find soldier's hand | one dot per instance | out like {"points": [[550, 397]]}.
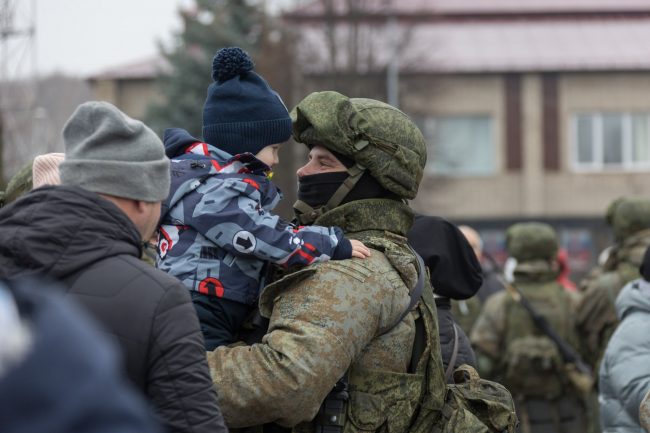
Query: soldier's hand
{"points": [[359, 250]]}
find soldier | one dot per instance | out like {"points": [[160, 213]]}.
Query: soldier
{"points": [[511, 347], [596, 318], [349, 318], [43, 170], [19, 184]]}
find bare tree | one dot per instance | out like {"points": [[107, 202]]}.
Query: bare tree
{"points": [[36, 129], [348, 46]]}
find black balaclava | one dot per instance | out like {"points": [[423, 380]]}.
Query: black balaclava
{"points": [[316, 189], [455, 271]]}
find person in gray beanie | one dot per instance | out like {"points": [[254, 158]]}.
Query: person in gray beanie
{"points": [[108, 152], [87, 234]]}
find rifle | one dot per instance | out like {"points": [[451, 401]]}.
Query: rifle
{"points": [[578, 370]]}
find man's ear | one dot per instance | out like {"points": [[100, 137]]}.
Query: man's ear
{"points": [[140, 206]]}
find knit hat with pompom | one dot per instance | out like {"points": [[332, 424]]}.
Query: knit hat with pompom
{"points": [[241, 112]]}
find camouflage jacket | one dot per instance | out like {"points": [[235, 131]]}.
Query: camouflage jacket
{"points": [[502, 319], [596, 315], [329, 318], [217, 231], [519, 355]]}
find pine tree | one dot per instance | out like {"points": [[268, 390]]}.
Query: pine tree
{"points": [[209, 26]]}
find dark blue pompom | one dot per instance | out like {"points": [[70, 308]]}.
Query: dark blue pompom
{"points": [[230, 62]]}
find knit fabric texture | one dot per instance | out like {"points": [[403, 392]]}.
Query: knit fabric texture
{"points": [[241, 112], [45, 169], [108, 152]]}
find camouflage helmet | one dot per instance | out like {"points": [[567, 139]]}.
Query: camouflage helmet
{"points": [[20, 184], [631, 215], [531, 241], [377, 136], [611, 209]]}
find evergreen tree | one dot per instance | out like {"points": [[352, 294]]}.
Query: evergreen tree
{"points": [[208, 26]]}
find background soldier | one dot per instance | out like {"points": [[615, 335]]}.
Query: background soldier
{"points": [[596, 318], [511, 348]]}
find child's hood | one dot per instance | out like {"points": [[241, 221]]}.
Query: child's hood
{"points": [[176, 141]]}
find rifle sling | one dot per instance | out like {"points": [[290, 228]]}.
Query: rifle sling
{"points": [[543, 325]]}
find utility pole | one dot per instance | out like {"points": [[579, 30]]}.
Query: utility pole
{"points": [[17, 62], [392, 68]]}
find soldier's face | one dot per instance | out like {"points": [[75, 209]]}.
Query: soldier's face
{"points": [[320, 161]]}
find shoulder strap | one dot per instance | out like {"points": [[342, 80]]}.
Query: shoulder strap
{"points": [[416, 294], [454, 355]]}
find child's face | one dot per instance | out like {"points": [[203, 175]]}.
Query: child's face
{"points": [[269, 155]]}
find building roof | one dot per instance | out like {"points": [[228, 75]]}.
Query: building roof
{"points": [[141, 69], [532, 46], [540, 6], [475, 7], [476, 36], [479, 36]]}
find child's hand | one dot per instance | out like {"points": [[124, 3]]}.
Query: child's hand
{"points": [[359, 249]]}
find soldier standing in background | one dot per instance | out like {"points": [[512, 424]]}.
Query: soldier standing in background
{"points": [[512, 349], [596, 316]]}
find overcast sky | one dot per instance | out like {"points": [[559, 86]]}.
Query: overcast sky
{"points": [[82, 37]]}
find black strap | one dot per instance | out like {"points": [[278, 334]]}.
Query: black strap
{"points": [[454, 355], [417, 290]]}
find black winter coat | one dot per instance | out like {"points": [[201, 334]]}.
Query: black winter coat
{"points": [[67, 389], [455, 273], [92, 247], [448, 343]]}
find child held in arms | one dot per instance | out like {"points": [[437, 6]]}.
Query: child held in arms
{"points": [[217, 232]]}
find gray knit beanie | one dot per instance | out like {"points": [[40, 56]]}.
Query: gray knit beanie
{"points": [[108, 152]]}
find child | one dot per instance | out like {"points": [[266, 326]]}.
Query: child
{"points": [[217, 233]]}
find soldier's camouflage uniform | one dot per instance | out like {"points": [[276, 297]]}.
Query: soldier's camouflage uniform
{"points": [[19, 184], [596, 316], [336, 317], [545, 400]]}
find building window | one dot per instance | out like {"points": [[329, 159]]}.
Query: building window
{"points": [[459, 145], [611, 141]]}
